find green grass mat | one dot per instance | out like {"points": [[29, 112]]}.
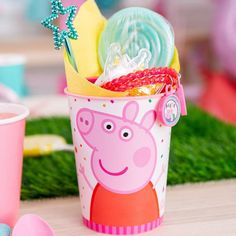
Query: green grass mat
{"points": [[202, 149]]}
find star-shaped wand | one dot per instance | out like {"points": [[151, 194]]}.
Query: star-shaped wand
{"points": [[62, 37]]}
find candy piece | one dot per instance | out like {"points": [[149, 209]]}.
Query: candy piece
{"points": [[136, 28], [5, 230], [118, 64], [147, 90], [146, 77], [89, 24]]}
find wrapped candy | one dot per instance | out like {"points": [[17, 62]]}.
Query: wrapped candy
{"points": [[146, 82], [146, 90]]}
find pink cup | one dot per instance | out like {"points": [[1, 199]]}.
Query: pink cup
{"points": [[11, 157], [122, 152]]}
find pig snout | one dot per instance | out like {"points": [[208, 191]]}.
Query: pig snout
{"points": [[85, 121]]}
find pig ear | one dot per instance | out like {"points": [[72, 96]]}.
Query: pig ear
{"points": [[149, 119], [130, 111]]}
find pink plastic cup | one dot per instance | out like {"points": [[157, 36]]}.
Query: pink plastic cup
{"points": [[122, 151], [12, 131]]}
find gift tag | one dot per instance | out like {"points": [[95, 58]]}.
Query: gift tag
{"points": [[181, 96], [169, 109]]}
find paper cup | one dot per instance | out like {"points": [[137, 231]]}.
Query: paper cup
{"points": [[11, 156], [122, 154], [12, 71]]}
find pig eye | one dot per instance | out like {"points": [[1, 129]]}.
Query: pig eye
{"points": [[108, 126], [126, 134]]}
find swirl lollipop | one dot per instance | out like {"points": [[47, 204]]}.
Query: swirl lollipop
{"points": [[136, 28]]}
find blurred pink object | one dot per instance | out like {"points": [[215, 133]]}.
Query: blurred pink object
{"points": [[161, 7], [219, 96], [61, 85], [12, 131], [6, 94], [67, 3], [224, 34], [32, 225]]}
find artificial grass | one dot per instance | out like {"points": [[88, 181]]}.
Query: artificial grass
{"points": [[202, 149]]}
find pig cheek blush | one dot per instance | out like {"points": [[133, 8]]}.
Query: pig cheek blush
{"points": [[142, 157]]}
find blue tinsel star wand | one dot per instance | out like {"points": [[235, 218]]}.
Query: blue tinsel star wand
{"points": [[62, 37]]}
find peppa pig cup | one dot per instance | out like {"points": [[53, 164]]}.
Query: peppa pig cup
{"points": [[12, 129], [122, 153]]}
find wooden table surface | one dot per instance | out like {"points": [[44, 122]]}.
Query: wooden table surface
{"points": [[201, 209]]}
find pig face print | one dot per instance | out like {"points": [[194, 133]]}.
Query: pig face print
{"points": [[124, 151]]}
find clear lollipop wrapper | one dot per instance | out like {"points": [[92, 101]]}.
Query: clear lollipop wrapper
{"points": [[137, 28], [118, 64]]}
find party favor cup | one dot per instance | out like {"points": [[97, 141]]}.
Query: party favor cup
{"points": [[122, 153], [12, 72], [12, 131]]}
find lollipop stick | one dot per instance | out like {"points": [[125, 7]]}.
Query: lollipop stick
{"points": [[70, 54]]}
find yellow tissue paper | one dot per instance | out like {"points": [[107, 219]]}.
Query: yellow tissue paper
{"points": [[89, 23], [81, 86], [175, 61]]}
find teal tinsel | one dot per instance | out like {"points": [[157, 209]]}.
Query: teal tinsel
{"points": [[58, 9]]}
